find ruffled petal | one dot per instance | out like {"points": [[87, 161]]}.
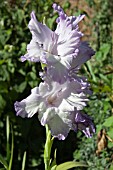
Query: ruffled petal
{"points": [[34, 52], [29, 106], [74, 101], [45, 37], [85, 124], [58, 128], [58, 72], [68, 39], [85, 53], [67, 31], [39, 31]]}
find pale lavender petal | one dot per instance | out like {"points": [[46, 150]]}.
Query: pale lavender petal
{"points": [[77, 101], [34, 52], [76, 20], [67, 30], [28, 107], [58, 128], [39, 31], [68, 39], [57, 8], [58, 72], [85, 53]]}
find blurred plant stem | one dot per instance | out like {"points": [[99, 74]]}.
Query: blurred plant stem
{"points": [[112, 57], [24, 161], [9, 150]]}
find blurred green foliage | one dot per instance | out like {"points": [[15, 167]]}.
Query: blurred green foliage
{"points": [[17, 79], [100, 71]]}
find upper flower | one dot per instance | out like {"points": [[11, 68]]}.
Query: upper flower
{"points": [[58, 49]]}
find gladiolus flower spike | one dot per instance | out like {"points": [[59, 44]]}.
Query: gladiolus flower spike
{"points": [[60, 98]]}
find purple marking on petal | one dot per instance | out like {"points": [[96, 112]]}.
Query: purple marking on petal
{"points": [[23, 58], [19, 108], [61, 137], [33, 15], [85, 124], [57, 8]]}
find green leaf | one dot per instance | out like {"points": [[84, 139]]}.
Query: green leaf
{"points": [[110, 132], [111, 167], [91, 71], [12, 148], [105, 49], [2, 62], [20, 88], [108, 122], [2, 103], [70, 164], [98, 56], [24, 160], [53, 164], [3, 87], [104, 78], [20, 15], [3, 162], [54, 167]]}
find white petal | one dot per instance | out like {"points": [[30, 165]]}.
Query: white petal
{"points": [[77, 100], [84, 54], [41, 33], [58, 128], [34, 52], [29, 106]]}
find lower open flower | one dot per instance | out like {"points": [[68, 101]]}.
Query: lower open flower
{"points": [[58, 105]]}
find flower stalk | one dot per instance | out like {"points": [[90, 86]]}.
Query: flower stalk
{"points": [[47, 148]]}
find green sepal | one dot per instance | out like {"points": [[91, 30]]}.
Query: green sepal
{"points": [[53, 164], [43, 65]]}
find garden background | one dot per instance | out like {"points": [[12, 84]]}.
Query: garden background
{"points": [[22, 140]]}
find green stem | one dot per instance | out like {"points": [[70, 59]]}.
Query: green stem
{"points": [[12, 148], [47, 149]]}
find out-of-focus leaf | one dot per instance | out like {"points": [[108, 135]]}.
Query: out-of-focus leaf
{"points": [[105, 49], [2, 103], [2, 61], [110, 132], [3, 87], [108, 122], [50, 21], [20, 88], [111, 167], [3, 162], [20, 15], [24, 161], [103, 77], [98, 56], [91, 71], [54, 167], [70, 164]]}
